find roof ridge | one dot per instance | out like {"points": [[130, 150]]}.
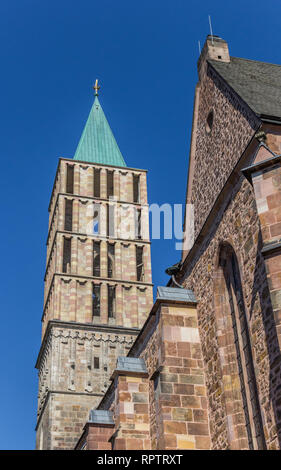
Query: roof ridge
{"points": [[253, 60]]}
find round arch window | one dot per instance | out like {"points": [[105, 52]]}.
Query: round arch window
{"points": [[209, 122]]}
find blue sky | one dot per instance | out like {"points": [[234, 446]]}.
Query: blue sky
{"points": [[144, 54]]}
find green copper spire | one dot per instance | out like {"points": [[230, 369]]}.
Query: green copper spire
{"points": [[97, 143]]}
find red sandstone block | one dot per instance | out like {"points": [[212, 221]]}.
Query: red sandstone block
{"points": [[198, 429], [183, 389], [273, 264], [275, 229], [183, 349], [125, 396], [120, 444], [134, 444], [170, 441], [179, 370], [174, 427], [274, 200], [190, 362], [141, 408], [200, 416], [123, 386], [275, 280], [172, 320], [169, 399], [104, 446], [173, 361], [277, 214], [202, 443], [170, 348], [267, 218], [191, 401]]}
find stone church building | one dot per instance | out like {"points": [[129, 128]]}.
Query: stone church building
{"points": [[200, 368]]}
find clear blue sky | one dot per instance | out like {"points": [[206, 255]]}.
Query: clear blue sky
{"points": [[144, 54]]}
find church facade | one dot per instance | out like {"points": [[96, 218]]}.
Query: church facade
{"points": [[201, 367]]}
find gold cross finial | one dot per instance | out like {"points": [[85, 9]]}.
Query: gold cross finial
{"points": [[96, 87]]}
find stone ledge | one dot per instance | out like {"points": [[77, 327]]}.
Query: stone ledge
{"points": [[101, 417], [133, 366], [271, 248], [247, 172]]}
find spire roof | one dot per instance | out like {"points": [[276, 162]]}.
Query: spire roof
{"points": [[97, 143]]}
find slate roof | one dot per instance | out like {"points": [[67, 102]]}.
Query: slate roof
{"points": [[257, 83], [175, 293], [97, 143]]}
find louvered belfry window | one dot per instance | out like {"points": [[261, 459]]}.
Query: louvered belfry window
{"points": [[139, 263], [96, 300], [96, 259], [111, 301]]}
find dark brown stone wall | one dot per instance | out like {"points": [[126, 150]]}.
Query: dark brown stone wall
{"points": [[217, 152], [237, 222]]}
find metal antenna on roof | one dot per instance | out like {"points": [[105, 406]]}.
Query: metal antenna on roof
{"points": [[211, 30], [199, 46]]}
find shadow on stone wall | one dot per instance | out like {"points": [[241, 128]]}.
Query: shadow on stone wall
{"points": [[261, 289]]}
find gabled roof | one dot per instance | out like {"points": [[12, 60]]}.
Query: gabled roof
{"points": [[97, 143], [257, 83]]}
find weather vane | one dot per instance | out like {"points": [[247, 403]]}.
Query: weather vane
{"points": [[96, 87]]}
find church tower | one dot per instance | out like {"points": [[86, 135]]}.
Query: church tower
{"points": [[98, 287]]}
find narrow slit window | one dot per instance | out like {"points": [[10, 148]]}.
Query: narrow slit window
{"points": [[111, 301], [96, 182], [66, 265], [136, 187], [69, 179], [139, 263], [138, 223], [110, 260], [96, 363], [96, 259], [110, 184], [96, 219], [68, 215], [96, 300], [110, 220]]}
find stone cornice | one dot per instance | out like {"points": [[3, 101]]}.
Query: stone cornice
{"points": [[124, 168]]}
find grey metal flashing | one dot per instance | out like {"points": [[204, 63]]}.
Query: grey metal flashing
{"points": [[271, 248], [101, 417], [247, 172], [176, 294], [131, 366]]}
